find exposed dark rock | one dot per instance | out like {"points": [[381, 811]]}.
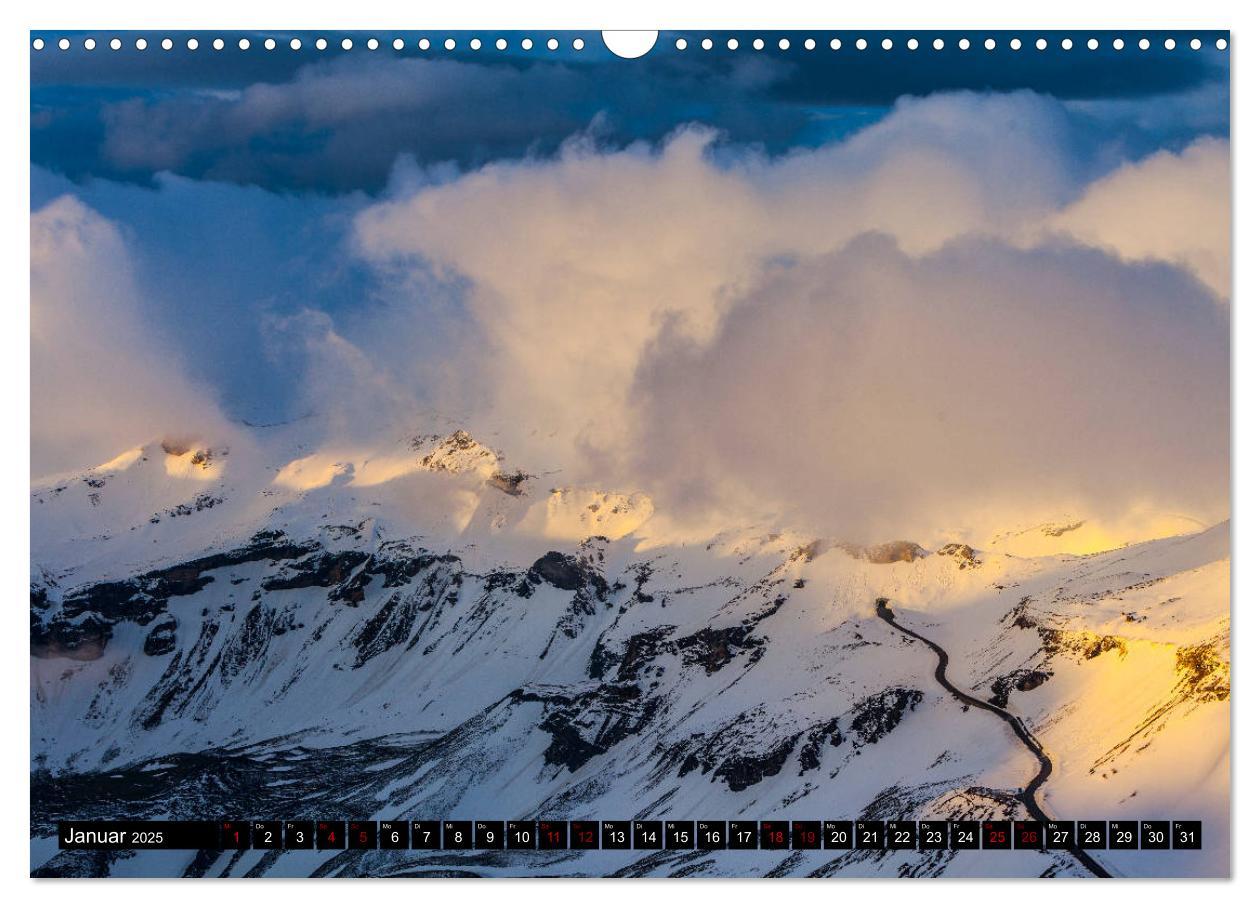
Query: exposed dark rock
{"points": [[397, 568], [509, 483], [203, 458], [161, 639], [137, 599], [396, 619], [640, 650], [1061, 529], [810, 551], [824, 733], [181, 679], [740, 753], [887, 552], [1022, 680], [1032, 680], [518, 583], [1204, 673], [876, 716], [642, 574], [587, 724], [200, 503], [739, 770], [250, 643], [564, 572], [1081, 644], [745, 770], [201, 863], [386, 629], [713, 648], [567, 572], [142, 598], [83, 638], [572, 622], [1019, 616], [322, 569], [965, 555], [396, 563]]}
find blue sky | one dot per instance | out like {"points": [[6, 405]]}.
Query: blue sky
{"points": [[297, 228]]}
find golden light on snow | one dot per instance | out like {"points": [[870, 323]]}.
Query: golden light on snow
{"points": [[576, 514], [320, 469], [122, 461], [312, 472], [199, 464], [1089, 535], [373, 471]]}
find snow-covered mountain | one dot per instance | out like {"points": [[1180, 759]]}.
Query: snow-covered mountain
{"points": [[427, 630]]}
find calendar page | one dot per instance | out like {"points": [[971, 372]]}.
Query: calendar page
{"points": [[671, 454]]}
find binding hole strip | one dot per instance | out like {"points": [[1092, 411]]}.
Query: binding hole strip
{"points": [[549, 43]]}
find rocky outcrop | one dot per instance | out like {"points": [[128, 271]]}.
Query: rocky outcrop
{"points": [[586, 724], [509, 483], [823, 733], [83, 638], [713, 648], [458, 452], [395, 622], [1203, 672], [740, 754], [161, 639], [1083, 645], [877, 716], [640, 649], [565, 572], [1021, 680], [887, 552], [964, 554], [321, 569]]}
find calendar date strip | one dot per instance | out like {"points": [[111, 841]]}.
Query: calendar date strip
{"points": [[632, 835]]}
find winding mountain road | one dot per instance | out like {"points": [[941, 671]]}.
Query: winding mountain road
{"points": [[1028, 797]]}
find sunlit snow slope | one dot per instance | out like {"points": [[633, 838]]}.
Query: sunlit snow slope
{"points": [[427, 630]]}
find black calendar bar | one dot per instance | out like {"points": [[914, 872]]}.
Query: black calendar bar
{"points": [[640, 835], [144, 834]]}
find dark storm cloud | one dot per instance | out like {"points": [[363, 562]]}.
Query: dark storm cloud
{"points": [[878, 77], [305, 121], [342, 125]]}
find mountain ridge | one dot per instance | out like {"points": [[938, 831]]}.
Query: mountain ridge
{"points": [[742, 675]]}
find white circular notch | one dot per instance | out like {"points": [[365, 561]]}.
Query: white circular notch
{"points": [[629, 45]]}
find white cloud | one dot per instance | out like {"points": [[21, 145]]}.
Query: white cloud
{"points": [[355, 395], [884, 336], [872, 394], [1168, 207], [723, 334], [102, 380], [574, 264]]}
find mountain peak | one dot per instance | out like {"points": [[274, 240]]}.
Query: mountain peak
{"points": [[887, 552], [458, 452]]}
